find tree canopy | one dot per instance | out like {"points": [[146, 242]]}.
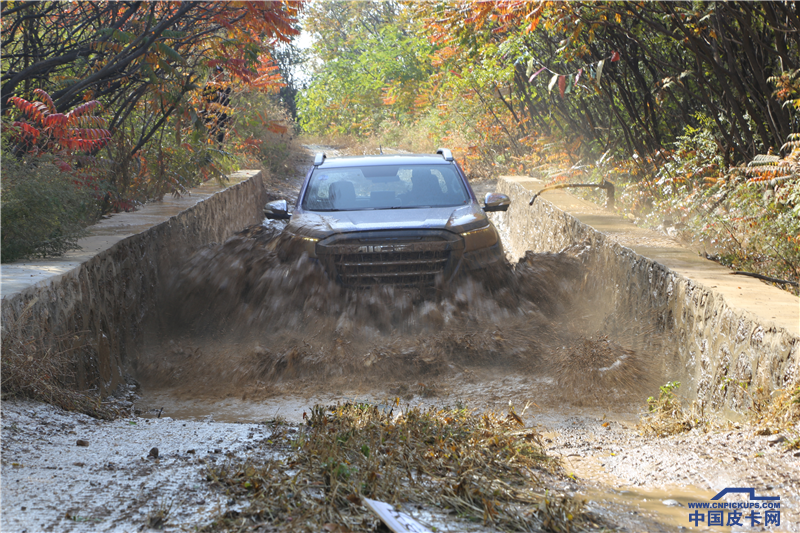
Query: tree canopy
{"points": [[629, 75], [127, 53]]}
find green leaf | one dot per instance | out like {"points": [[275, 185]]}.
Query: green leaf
{"points": [[166, 67], [123, 36], [150, 73], [171, 34], [170, 53]]}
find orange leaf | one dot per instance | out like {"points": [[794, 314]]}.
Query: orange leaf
{"points": [[275, 127]]}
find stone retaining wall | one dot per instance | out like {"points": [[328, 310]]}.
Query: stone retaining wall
{"points": [[104, 304], [722, 352]]}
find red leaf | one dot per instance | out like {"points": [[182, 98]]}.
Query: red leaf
{"points": [[27, 129], [536, 74], [35, 110], [44, 97], [55, 120], [562, 85], [84, 109], [614, 56]]}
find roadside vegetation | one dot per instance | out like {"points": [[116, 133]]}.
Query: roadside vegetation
{"points": [[779, 414], [667, 414], [691, 109], [44, 370], [106, 106]]}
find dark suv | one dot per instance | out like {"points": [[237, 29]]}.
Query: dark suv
{"points": [[405, 220]]}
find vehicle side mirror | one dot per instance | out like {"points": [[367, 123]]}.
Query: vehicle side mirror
{"points": [[277, 210], [495, 201]]}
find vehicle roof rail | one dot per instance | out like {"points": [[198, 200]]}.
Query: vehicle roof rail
{"points": [[319, 157], [445, 153]]}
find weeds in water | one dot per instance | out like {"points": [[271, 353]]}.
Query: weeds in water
{"points": [[666, 415], [275, 421], [781, 415], [484, 468]]}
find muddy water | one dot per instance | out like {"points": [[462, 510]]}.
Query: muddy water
{"points": [[255, 318], [254, 331], [650, 504]]}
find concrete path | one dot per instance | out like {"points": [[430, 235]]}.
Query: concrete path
{"points": [[766, 302], [16, 277]]}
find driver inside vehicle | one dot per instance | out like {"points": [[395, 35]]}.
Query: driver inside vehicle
{"points": [[343, 195], [424, 187]]}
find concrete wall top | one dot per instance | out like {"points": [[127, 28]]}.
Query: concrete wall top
{"points": [[768, 304], [19, 276]]}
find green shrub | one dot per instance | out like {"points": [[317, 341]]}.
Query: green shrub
{"points": [[262, 132], [43, 209]]}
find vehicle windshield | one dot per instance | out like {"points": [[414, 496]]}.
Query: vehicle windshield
{"points": [[384, 187]]}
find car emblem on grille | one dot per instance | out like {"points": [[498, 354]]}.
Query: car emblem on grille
{"points": [[378, 249]]}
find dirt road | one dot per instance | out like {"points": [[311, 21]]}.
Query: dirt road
{"points": [[113, 483]]}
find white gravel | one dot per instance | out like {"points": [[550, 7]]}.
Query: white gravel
{"points": [[50, 483]]}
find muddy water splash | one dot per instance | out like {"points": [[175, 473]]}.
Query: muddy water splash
{"points": [[255, 316]]}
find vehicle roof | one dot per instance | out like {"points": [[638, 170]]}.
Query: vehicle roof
{"points": [[384, 160]]}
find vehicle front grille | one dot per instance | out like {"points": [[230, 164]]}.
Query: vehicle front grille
{"points": [[406, 268], [405, 259]]}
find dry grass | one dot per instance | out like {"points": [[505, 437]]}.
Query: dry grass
{"points": [[45, 371], [482, 468], [779, 413], [667, 416]]}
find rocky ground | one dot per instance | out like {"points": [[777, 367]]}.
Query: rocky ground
{"points": [[64, 471]]}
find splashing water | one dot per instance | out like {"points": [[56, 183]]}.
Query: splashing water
{"points": [[255, 314]]}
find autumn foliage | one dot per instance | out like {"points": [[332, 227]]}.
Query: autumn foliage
{"points": [[43, 129]]}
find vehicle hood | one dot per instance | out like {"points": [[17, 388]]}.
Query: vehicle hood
{"points": [[320, 225]]}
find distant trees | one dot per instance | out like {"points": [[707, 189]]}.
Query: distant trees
{"points": [[369, 63]]}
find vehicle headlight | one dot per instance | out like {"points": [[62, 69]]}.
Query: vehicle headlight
{"points": [[309, 245], [479, 238]]}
